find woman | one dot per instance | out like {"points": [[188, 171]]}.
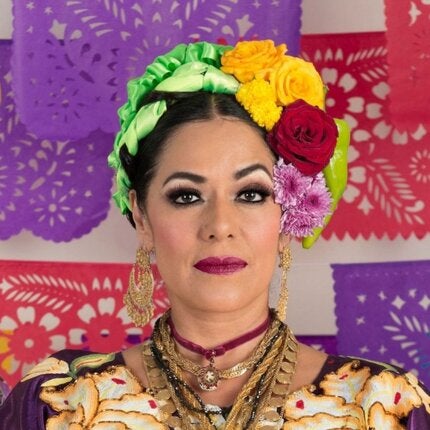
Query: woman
{"points": [[222, 156]]}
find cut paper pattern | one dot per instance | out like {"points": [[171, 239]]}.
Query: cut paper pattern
{"points": [[383, 313], [48, 306], [72, 59], [409, 63], [389, 169], [387, 191], [57, 189]]}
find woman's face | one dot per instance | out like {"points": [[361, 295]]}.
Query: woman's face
{"points": [[211, 217]]}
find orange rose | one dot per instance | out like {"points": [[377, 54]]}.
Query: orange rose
{"points": [[247, 58], [297, 79]]}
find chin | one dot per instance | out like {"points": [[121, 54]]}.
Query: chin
{"points": [[220, 293], [229, 300]]}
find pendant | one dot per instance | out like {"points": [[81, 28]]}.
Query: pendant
{"points": [[208, 378]]}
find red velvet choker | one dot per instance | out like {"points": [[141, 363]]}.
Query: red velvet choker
{"points": [[220, 349]]}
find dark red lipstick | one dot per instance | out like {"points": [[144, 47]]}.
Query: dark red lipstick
{"points": [[220, 265]]}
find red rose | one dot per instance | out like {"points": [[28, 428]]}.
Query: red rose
{"points": [[304, 136]]}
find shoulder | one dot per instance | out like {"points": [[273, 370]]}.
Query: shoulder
{"points": [[335, 362], [59, 370], [360, 393], [68, 364], [86, 361], [81, 386], [70, 354], [361, 379]]}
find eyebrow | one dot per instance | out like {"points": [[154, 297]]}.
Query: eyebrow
{"points": [[252, 168], [185, 175], [198, 179]]}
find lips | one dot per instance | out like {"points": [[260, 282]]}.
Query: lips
{"points": [[220, 266]]}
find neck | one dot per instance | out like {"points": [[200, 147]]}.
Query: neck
{"points": [[211, 329], [221, 349]]}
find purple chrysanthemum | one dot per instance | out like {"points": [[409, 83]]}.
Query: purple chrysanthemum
{"points": [[317, 201], [305, 200], [319, 179], [296, 222], [289, 184]]}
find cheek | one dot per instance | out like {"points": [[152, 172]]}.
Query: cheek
{"points": [[167, 236], [266, 222], [171, 235], [264, 230]]}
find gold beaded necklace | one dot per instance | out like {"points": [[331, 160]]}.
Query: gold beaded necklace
{"points": [[258, 400], [208, 376]]}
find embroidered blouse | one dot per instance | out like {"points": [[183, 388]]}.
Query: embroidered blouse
{"points": [[84, 390]]}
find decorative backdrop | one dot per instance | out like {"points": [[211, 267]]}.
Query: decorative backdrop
{"points": [[387, 191], [72, 59], [57, 189], [51, 306], [60, 189], [383, 313], [408, 42]]}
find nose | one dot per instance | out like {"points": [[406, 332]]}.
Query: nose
{"points": [[219, 222]]}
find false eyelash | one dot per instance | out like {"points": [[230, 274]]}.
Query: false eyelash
{"points": [[263, 191], [175, 193]]}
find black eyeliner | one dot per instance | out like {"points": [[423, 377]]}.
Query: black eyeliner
{"points": [[262, 190], [174, 194]]}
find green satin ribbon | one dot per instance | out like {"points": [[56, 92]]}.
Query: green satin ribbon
{"points": [[186, 68], [197, 76], [143, 123], [336, 176]]}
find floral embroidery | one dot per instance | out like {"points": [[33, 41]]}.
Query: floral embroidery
{"points": [[351, 398], [51, 366], [97, 399], [346, 376], [393, 392]]}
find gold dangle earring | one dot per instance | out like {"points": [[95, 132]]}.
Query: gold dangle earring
{"points": [[138, 298], [284, 264]]}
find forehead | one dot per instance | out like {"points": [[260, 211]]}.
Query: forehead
{"points": [[216, 143]]}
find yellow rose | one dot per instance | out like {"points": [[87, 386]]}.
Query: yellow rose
{"points": [[296, 79], [249, 57]]}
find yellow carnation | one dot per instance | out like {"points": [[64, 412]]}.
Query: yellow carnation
{"points": [[259, 99], [249, 57], [296, 79]]}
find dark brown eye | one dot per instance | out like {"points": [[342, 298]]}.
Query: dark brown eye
{"points": [[254, 195], [184, 197]]}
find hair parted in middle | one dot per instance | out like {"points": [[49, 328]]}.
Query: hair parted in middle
{"points": [[183, 108]]}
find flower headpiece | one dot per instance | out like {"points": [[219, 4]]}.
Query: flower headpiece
{"points": [[282, 93]]}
